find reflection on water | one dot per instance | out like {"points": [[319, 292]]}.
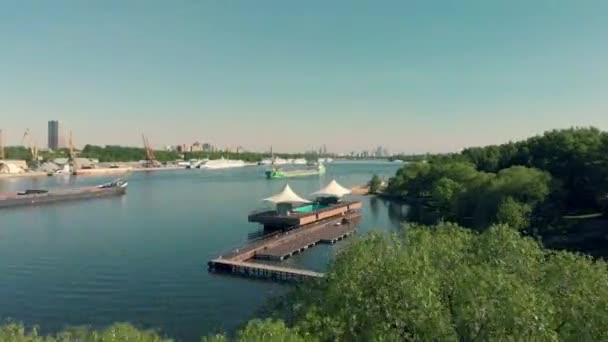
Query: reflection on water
{"points": [[397, 213]]}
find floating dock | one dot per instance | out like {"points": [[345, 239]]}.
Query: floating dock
{"points": [[280, 246], [257, 270]]}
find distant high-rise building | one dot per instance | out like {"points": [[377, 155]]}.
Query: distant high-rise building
{"points": [[54, 135]]}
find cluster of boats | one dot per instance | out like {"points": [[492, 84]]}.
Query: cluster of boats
{"points": [[279, 167], [213, 164], [296, 161]]}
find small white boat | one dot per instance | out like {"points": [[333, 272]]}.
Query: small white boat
{"points": [[299, 161]]}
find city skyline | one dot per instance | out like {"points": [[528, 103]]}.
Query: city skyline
{"points": [[413, 77]]}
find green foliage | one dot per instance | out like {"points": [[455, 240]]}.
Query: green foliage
{"points": [[448, 283], [269, 331], [123, 154], [514, 213], [461, 193], [115, 333], [538, 182], [374, 184], [18, 153], [576, 156]]}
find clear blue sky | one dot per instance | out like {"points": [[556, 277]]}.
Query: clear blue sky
{"points": [[413, 76]]}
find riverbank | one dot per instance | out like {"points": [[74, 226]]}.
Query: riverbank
{"points": [[22, 175], [361, 190]]}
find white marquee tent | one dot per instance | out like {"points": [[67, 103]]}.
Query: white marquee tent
{"points": [[286, 196], [333, 189]]}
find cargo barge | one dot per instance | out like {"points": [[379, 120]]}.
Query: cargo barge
{"points": [[281, 173], [36, 196]]}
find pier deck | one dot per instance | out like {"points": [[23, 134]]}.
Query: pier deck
{"points": [[328, 233], [282, 245]]}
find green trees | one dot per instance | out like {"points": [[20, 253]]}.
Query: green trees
{"points": [[117, 332], [448, 283], [576, 157], [461, 193], [514, 213], [536, 182], [374, 184], [123, 154]]}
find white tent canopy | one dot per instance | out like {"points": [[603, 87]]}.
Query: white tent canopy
{"points": [[333, 189], [286, 196]]}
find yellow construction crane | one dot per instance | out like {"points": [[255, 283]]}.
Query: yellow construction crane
{"points": [[150, 159], [72, 156], [31, 146]]}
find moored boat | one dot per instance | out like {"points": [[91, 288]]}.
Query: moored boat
{"points": [[40, 196], [222, 164], [281, 173]]}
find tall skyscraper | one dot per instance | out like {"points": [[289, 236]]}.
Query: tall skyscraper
{"points": [[53, 135]]}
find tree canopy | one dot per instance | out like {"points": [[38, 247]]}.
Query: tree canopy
{"points": [[536, 183], [449, 283]]}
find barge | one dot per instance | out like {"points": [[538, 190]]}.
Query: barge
{"points": [[281, 173], [37, 196]]}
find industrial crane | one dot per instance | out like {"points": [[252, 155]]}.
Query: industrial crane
{"points": [[72, 157], [31, 146], [150, 159]]}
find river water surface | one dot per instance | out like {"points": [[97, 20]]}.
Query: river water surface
{"points": [[141, 258]]}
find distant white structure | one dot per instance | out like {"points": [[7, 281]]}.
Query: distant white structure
{"points": [[333, 189], [286, 196], [222, 164], [13, 166], [86, 163]]}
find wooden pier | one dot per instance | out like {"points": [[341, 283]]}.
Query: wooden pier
{"points": [[257, 270], [280, 246]]}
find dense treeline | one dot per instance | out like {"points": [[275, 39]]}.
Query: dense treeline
{"points": [[577, 157], [442, 283], [22, 153], [536, 182], [111, 153]]}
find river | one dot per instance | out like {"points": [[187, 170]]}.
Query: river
{"points": [[141, 258]]}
